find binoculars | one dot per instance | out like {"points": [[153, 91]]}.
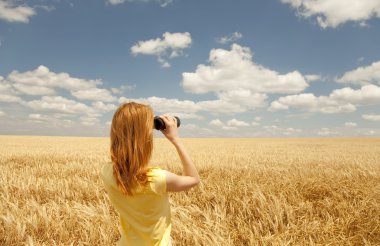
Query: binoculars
{"points": [[159, 123]]}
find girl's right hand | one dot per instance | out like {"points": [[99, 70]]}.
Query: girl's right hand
{"points": [[170, 131]]}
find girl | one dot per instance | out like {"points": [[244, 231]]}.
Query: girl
{"points": [[139, 192]]}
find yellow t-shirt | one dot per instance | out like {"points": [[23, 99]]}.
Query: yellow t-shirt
{"points": [[145, 218]]}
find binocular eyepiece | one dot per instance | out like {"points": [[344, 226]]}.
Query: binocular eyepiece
{"points": [[159, 123]]}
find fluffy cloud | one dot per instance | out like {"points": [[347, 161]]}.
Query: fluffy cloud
{"points": [[243, 97], [44, 82], [122, 89], [220, 106], [56, 109], [311, 103], [102, 107], [362, 75], [88, 121], [7, 92], [185, 115], [350, 124], [216, 123], [232, 124], [161, 104], [327, 132], [40, 79], [33, 90], [312, 77], [50, 120], [162, 3], [371, 117], [236, 123], [94, 94], [274, 130], [342, 100], [334, 13], [58, 104], [366, 95], [172, 43], [11, 13], [229, 39], [234, 70]]}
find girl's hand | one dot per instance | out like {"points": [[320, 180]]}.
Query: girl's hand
{"points": [[170, 131]]}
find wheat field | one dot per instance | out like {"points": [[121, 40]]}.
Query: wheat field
{"points": [[320, 191]]}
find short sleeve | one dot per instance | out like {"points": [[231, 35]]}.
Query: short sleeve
{"points": [[159, 181]]}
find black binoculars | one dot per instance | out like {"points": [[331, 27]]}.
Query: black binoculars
{"points": [[159, 123]]}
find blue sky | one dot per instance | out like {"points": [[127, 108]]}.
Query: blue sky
{"points": [[284, 68]]}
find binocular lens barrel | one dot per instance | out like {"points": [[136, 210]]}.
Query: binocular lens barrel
{"points": [[159, 124]]}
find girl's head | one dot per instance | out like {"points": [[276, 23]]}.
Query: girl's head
{"points": [[131, 145]]}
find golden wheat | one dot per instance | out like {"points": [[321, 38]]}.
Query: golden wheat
{"points": [[253, 192]]}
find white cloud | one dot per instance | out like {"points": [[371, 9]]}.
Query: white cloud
{"points": [[115, 2], [312, 77], [94, 94], [189, 127], [236, 123], [58, 104], [185, 115], [229, 39], [273, 130], [342, 100], [243, 97], [326, 132], [162, 3], [44, 78], [42, 81], [216, 123], [332, 13], [39, 117], [193, 130], [50, 120], [232, 124], [371, 117], [360, 59], [220, 106], [10, 98], [366, 95], [171, 42], [164, 105], [103, 107], [362, 75], [11, 13], [350, 124], [2, 113], [234, 70], [33, 90], [122, 89], [88, 121], [309, 102], [43, 118], [7, 92], [228, 128]]}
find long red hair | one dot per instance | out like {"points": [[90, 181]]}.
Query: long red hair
{"points": [[131, 145]]}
